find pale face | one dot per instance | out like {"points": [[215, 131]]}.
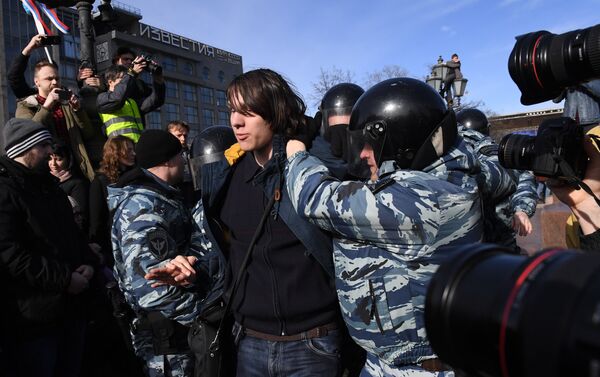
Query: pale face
{"points": [[368, 155], [46, 80], [129, 158], [57, 164], [181, 134], [252, 132]]}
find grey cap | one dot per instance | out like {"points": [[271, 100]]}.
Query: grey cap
{"points": [[21, 135]]}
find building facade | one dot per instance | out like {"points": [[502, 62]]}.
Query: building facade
{"points": [[196, 73]]}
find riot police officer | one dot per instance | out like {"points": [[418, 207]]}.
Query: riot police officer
{"points": [[422, 194]]}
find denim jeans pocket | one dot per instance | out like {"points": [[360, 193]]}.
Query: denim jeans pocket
{"points": [[328, 346]]}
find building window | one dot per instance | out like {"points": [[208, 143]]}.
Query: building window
{"points": [[206, 73], [208, 117], [191, 114], [206, 95], [169, 63], [221, 98], [153, 120], [172, 112], [189, 92], [172, 89], [71, 46], [223, 118], [69, 71], [188, 68], [221, 77]]}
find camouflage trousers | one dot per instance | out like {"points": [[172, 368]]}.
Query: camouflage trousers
{"points": [[377, 368], [169, 365]]}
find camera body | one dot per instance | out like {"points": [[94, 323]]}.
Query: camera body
{"points": [[555, 152], [151, 65], [64, 95]]}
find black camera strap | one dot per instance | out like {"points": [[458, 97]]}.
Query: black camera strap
{"points": [[574, 180]]}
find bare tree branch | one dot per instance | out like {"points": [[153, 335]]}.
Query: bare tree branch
{"points": [[387, 72], [328, 78]]}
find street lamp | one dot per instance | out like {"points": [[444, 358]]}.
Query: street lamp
{"points": [[437, 76]]}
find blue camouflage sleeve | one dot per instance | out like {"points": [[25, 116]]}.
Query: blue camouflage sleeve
{"points": [[146, 244], [497, 182], [399, 215], [525, 197]]}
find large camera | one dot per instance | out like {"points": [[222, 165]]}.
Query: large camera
{"points": [[556, 151], [490, 313], [151, 65], [542, 64]]}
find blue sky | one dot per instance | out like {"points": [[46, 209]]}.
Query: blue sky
{"points": [[297, 38]]}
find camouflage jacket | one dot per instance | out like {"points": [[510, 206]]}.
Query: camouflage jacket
{"points": [[151, 226], [386, 237], [516, 191]]}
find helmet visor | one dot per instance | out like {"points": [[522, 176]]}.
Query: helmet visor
{"points": [[359, 141]]}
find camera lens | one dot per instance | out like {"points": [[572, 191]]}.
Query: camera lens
{"points": [[542, 63], [517, 152], [488, 313]]}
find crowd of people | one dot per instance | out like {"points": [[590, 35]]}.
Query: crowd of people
{"points": [[315, 238]]}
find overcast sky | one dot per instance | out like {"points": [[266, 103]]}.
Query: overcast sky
{"points": [[297, 38]]}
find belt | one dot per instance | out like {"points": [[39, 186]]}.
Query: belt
{"points": [[434, 365], [317, 332]]}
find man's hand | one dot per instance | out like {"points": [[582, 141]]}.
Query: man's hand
{"points": [[34, 43], [138, 65], [86, 271], [77, 284], [521, 223], [74, 102], [178, 271], [52, 99], [582, 204], [85, 73]]}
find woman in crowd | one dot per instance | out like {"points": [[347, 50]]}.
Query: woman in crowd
{"points": [[118, 156]]}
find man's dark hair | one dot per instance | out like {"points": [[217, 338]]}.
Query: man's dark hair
{"points": [[268, 94], [174, 124], [114, 71], [122, 51], [454, 55]]}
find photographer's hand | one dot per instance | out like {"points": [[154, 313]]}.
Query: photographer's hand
{"points": [[582, 204], [74, 102], [34, 43], [138, 65], [52, 99]]}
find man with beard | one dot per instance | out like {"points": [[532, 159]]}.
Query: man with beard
{"points": [[41, 260]]}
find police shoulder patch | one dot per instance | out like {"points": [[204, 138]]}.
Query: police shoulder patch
{"points": [[158, 241]]}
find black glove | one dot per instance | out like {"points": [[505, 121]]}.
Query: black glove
{"points": [[306, 132]]}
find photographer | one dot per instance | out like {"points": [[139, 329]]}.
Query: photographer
{"points": [[582, 204], [60, 111], [123, 106]]}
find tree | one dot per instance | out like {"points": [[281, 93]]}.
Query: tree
{"points": [[475, 104], [326, 80], [387, 72]]}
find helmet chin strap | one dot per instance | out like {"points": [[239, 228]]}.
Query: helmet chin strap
{"points": [[441, 139]]}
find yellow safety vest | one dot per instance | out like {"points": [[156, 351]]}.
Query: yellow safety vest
{"points": [[126, 121]]}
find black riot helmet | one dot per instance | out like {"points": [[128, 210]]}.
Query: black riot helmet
{"points": [[208, 146], [474, 119], [339, 101], [403, 120]]}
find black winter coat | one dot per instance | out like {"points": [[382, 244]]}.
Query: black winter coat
{"points": [[40, 246]]}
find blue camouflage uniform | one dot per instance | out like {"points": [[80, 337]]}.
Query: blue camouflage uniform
{"points": [[150, 227], [516, 191], [386, 238]]}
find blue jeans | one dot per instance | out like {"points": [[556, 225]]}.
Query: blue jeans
{"points": [[307, 357]]}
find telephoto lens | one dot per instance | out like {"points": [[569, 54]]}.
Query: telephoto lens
{"points": [[542, 64], [490, 313]]}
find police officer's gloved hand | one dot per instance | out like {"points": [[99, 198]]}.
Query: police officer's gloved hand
{"points": [[306, 132]]}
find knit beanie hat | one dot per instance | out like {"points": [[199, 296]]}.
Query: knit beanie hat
{"points": [[21, 135], [156, 147]]}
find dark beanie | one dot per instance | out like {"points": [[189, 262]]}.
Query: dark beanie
{"points": [[21, 135], [156, 147]]}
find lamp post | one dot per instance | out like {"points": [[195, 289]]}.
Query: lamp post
{"points": [[437, 76]]}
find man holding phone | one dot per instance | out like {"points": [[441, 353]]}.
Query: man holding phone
{"points": [[60, 111]]}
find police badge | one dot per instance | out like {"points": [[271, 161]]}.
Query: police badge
{"points": [[159, 243]]}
